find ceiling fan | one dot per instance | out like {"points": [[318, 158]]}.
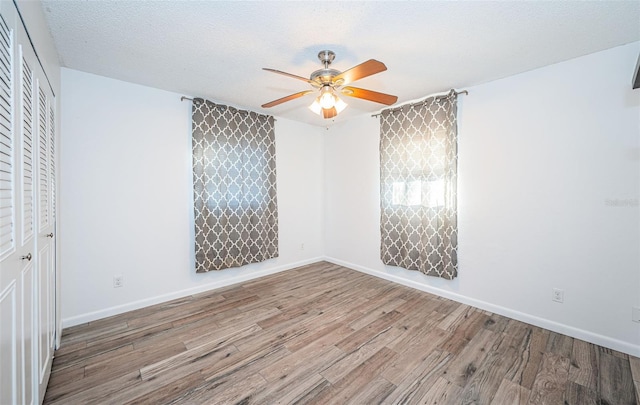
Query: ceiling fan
{"points": [[330, 82]]}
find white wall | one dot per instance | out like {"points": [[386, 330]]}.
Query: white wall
{"points": [[544, 157], [127, 204]]}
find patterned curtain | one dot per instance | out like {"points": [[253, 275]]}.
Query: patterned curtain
{"points": [[234, 182], [418, 171]]}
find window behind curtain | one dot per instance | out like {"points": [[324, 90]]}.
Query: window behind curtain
{"points": [[234, 179], [418, 178]]}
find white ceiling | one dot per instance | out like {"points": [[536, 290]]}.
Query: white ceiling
{"points": [[216, 50]]}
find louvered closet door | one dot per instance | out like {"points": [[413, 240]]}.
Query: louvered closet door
{"points": [[10, 265], [18, 282], [27, 217], [45, 169]]}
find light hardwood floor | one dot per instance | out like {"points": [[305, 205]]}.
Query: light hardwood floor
{"points": [[325, 334]]}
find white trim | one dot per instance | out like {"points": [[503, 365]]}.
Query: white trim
{"points": [[577, 333], [119, 309]]}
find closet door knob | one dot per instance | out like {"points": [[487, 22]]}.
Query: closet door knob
{"points": [[27, 257], [49, 235]]}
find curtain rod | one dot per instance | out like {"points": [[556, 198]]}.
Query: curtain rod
{"points": [[425, 99], [195, 99]]}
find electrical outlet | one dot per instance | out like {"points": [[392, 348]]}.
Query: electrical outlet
{"points": [[635, 314], [302, 246], [118, 281], [557, 295]]}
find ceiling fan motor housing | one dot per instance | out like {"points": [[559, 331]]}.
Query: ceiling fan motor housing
{"points": [[323, 77]]}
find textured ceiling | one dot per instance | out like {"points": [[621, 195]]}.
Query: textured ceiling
{"points": [[216, 50]]}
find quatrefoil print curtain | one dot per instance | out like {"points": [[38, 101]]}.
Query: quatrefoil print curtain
{"points": [[234, 182], [418, 175]]}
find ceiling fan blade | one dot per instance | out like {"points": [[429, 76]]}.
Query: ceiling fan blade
{"points": [[304, 79], [287, 98], [382, 98], [329, 112], [368, 68]]}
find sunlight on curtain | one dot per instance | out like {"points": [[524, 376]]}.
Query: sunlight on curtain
{"points": [[418, 178], [234, 181]]}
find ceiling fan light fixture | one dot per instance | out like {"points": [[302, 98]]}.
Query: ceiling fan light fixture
{"points": [[340, 105], [336, 106], [327, 98], [315, 106]]}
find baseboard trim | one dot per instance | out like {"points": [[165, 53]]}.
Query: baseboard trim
{"points": [[581, 334], [119, 309]]}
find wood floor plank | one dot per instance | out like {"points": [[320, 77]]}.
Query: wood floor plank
{"points": [[326, 334], [99, 392], [511, 393], [301, 359], [451, 322], [464, 365], [496, 323], [412, 355], [413, 326], [634, 362], [124, 337], [577, 394], [241, 364], [549, 386], [351, 384], [340, 369], [442, 392], [482, 387], [612, 352], [84, 357], [420, 380], [66, 376], [373, 392], [369, 332], [329, 335], [67, 347], [192, 357], [68, 386], [375, 313], [288, 373], [161, 391], [86, 332], [635, 374], [583, 369], [225, 391], [419, 303], [517, 331], [290, 390], [616, 382], [560, 344], [116, 365], [464, 332], [525, 368], [200, 335]]}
